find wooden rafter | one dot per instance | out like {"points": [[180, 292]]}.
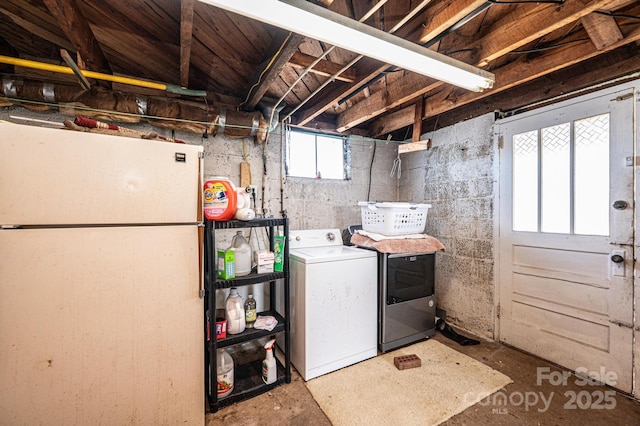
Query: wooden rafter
{"points": [[278, 55], [414, 85], [444, 15], [37, 30], [507, 77], [368, 69], [77, 30], [324, 68], [186, 33], [530, 24], [597, 70]]}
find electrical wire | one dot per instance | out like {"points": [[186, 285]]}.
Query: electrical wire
{"points": [[555, 46], [370, 171], [617, 15], [264, 71]]}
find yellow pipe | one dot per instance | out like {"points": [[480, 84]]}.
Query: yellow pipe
{"points": [[100, 76]]}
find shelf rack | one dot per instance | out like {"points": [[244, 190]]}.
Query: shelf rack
{"points": [[248, 372]]}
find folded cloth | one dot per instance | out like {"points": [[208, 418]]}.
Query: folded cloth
{"points": [[380, 237], [266, 322], [428, 244]]}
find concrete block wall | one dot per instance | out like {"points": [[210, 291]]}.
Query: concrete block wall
{"points": [[326, 203], [457, 177]]}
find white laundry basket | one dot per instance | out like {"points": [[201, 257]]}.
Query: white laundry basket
{"points": [[394, 219]]}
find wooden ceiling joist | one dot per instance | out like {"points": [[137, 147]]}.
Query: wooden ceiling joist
{"points": [[532, 24], [414, 85], [78, 31], [324, 68], [368, 69], [38, 30], [507, 77], [278, 55], [444, 15], [186, 34]]}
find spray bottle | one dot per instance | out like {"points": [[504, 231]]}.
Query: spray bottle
{"points": [[269, 369]]}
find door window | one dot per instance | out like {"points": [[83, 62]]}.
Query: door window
{"points": [[561, 178]]}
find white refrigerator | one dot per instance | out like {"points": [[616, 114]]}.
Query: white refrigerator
{"points": [[101, 320]]}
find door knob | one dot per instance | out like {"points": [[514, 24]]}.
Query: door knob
{"points": [[620, 205], [616, 258]]}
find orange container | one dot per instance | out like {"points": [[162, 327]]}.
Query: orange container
{"points": [[220, 199]]}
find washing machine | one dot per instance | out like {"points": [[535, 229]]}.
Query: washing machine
{"points": [[333, 302]]}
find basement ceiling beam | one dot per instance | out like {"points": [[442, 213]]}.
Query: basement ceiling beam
{"points": [[444, 14], [37, 30], [77, 30], [186, 34], [415, 85], [507, 77], [604, 68], [324, 68], [531, 24], [284, 47], [522, 71], [367, 69]]}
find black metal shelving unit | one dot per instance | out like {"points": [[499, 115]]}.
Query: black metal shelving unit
{"points": [[247, 375]]}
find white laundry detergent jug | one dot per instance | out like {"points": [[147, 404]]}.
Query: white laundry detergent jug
{"points": [[234, 312], [224, 373], [242, 254]]}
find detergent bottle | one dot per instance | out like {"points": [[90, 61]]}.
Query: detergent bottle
{"points": [[269, 369], [243, 205], [219, 199], [242, 254], [234, 312], [224, 373]]}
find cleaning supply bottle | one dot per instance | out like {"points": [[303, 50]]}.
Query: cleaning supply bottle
{"points": [[234, 312], [219, 199], [242, 254], [269, 369], [224, 372], [250, 311], [278, 253]]}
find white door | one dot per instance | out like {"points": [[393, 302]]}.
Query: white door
{"points": [[566, 234]]}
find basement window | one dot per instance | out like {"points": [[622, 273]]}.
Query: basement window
{"points": [[316, 155]]}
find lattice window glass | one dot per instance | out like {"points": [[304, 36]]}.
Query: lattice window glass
{"points": [[556, 179], [561, 178], [592, 175], [525, 181]]}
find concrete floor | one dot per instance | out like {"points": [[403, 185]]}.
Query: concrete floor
{"points": [[292, 404]]}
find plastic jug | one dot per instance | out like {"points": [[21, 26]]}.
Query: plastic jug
{"points": [[234, 312], [243, 205], [242, 254], [219, 199], [224, 373]]}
